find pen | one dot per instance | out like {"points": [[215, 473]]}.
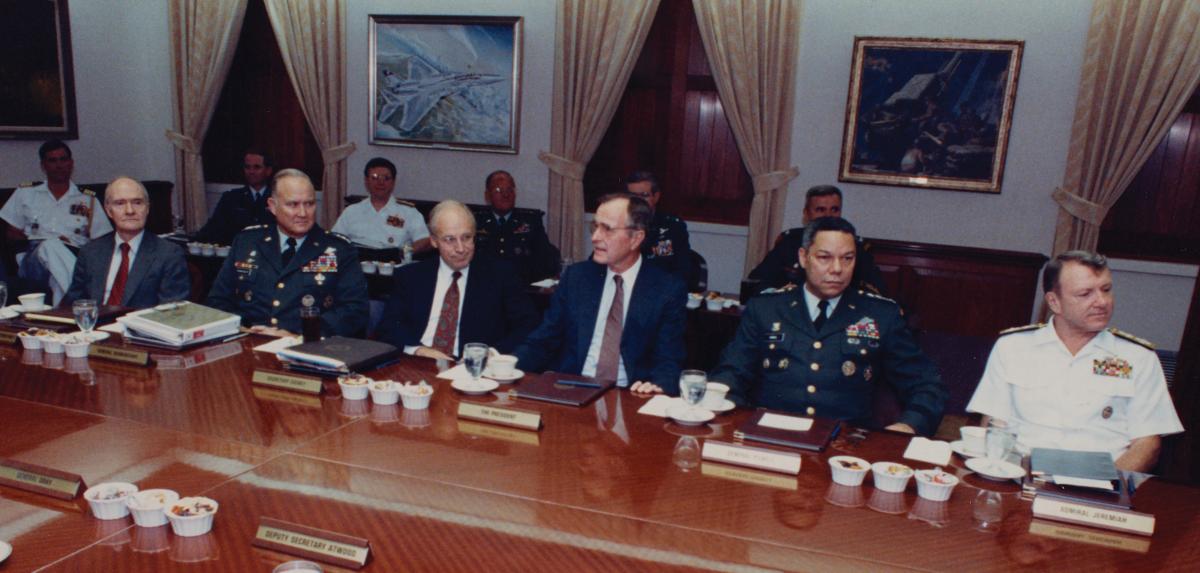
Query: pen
{"points": [[581, 384], [235, 337]]}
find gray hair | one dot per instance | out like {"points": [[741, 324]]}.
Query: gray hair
{"points": [[290, 172], [1050, 274], [136, 183], [446, 207], [826, 224]]}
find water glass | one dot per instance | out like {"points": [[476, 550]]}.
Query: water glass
{"points": [[686, 455], [3, 294], [693, 384], [85, 315], [999, 442], [987, 510], [475, 358]]}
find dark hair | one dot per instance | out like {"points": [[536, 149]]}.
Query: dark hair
{"points": [[638, 209], [52, 145], [1094, 261], [379, 162], [487, 181], [826, 224], [641, 175], [820, 191], [267, 160]]}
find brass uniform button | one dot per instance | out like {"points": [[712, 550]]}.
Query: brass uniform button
{"points": [[812, 389], [274, 321], [772, 346], [280, 285], [817, 345], [810, 410], [863, 351], [275, 303], [815, 366]]}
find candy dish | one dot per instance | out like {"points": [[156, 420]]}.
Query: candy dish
{"points": [[107, 500], [149, 506], [891, 476], [192, 516], [848, 470]]}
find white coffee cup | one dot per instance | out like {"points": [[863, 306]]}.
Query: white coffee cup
{"points": [[973, 438], [502, 365], [32, 300], [714, 396]]}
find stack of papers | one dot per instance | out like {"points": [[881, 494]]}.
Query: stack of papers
{"points": [[178, 325]]}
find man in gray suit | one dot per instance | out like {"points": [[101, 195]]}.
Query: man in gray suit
{"points": [[129, 267]]}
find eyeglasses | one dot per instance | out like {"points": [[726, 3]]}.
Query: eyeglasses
{"points": [[505, 190], [645, 195], [378, 177], [608, 229], [455, 241]]}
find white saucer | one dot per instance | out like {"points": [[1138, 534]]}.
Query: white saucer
{"points": [[5, 551], [1001, 472], [96, 335], [960, 449], [474, 388], [513, 377], [23, 308], [725, 406], [9, 312], [686, 416]]}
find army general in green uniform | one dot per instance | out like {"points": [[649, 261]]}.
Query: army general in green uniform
{"points": [[274, 270], [818, 350]]}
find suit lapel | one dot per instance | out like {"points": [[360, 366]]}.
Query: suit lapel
{"points": [[640, 308], [473, 303], [268, 249], [100, 276], [798, 316], [141, 266], [592, 286]]}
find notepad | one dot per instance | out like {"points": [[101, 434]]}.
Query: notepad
{"points": [[791, 423], [929, 451], [658, 405]]}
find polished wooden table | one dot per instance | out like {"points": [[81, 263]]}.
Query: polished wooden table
{"points": [[599, 488]]}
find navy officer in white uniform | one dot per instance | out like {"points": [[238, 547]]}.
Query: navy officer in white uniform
{"points": [[381, 221]]}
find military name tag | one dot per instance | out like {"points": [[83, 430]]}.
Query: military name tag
{"points": [[119, 354], [752, 477], [8, 337], [38, 479], [307, 384], [499, 433], [312, 543], [750, 456], [505, 416]]}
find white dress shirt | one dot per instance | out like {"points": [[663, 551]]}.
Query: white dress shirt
{"points": [[114, 266], [283, 237], [444, 276], [813, 301], [628, 278]]}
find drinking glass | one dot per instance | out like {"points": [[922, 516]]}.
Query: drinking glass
{"points": [[474, 358], [692, 386], [999, 443], [987, 510], [85, 315], [687, 453], [3, 294]]}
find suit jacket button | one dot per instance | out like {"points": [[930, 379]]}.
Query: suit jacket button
{"points": [[815, 366], [274, 321], [280, 285], [817, 345], [812, 389], [274, 303], [810, 410]]}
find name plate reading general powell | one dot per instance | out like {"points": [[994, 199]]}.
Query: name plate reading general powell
{"points": [[752, 457], [312, 543], [306, 384], [118, 354], [505, 416], [8, 337], [38, 479]]}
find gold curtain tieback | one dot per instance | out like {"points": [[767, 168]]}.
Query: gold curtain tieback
{"points": [[183, 142], [568, 168], [335, 154], [773, 179], [1078, 207]]}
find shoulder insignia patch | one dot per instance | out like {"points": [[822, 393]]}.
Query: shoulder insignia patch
{"points": [[26, 184], [1025, 328], [877, 296], [1134, 339], [253, 227], [785, 288], [400, 201], [88, 192], [337, 235]]}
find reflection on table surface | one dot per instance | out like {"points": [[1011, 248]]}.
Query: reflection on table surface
{"points": [[598, 488]]}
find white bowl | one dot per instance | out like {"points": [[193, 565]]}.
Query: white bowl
{"points": [[932, 490], [29, 341], [52, 344], [208, 250], [298, 567], [893, 482], [222, 251], [107, 500], [193, 248], [386, 269], [714, 304], [414, 400], [77, 349], [32, 300], [384, 392], [196, 523], [354, 391], [149, 506], [369, 267], [850, 476]]}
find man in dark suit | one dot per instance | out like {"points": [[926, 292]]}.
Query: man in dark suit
{"points": [[635, 338], [438, 305], [274, 270], [129, 267], [514, 236], [244, 206]]}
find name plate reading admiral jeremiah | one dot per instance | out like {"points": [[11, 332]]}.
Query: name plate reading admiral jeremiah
{"points": [[38, 479], [752, 457], [505, 416], [119, 354], [306, 384], [312, 543]]}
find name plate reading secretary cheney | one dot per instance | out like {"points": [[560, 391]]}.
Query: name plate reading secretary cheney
{"points": [[523, 419], [312, 543], [293, 382], [38, 479], [751, 457]]}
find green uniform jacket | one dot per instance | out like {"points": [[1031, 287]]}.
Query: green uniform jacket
{"points": [[779, 361], [522, 241]]}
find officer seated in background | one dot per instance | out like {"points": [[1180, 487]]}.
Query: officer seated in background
{"points": [[381, 222], [666, 246], [1072, 384], [243, 206], [519, 238], [273, 270], [819, 349]]}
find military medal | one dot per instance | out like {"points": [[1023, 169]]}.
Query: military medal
{"points": [[848, 368], [308, 300], [320, 278], [766, 362], [783, 363], [1115, 367], [774, 327], [1107, 412]]}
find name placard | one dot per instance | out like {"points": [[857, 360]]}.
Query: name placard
{"points": [[38, 479], [752, 477], [500, 433], [117, 354], [750, 456], [307, 384], [8, 337], [1089, 536], [287, 397], [523, 419], [312, 543], [1115, 519]]}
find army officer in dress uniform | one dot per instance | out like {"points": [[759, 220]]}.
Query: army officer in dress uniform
{"points": [[519, 238], [666, 245], [273, 270], [818, 349]]}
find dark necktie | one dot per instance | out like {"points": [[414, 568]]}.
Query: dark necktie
{"points": [[118, 287], [447, 325], [819, 321], [610, 348], [289, 252]]}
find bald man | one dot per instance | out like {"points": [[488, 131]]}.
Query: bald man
{"points": [[129, 267]]}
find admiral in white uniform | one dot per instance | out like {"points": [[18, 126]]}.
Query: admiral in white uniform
{"points": [[382, 221]]}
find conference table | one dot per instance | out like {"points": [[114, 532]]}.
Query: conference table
{"points": [[598, 488]]}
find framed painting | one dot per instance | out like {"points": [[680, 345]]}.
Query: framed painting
{"points": [[37, 80], [448, 82], [930, 113]]}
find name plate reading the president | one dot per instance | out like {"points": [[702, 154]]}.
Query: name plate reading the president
{"points": [[1084, 514], [752, 477], [752, 457], [8, 337], [312, 543], [38, 479], [118, 354], [306, 384], [505, 416]]}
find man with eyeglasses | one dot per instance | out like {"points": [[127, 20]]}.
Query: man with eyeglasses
{"points": [[666, 245], [243, 206], [382, 222], [129, 267], [439, 304], [518, 237], [614, 317]]}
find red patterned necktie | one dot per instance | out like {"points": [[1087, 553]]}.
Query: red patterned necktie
{"points": [[610, 348], [447, 325], [118, 288]]}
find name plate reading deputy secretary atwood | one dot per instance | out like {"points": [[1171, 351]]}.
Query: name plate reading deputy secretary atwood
{"points": [[312, 543], [505, 416], [306, 384], [751, 457], [38, 479]]}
